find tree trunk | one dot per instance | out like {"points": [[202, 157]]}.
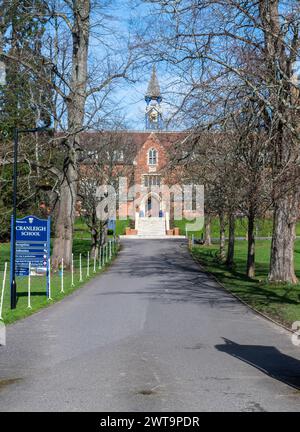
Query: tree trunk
{"points": [[103, 234], [251, 246], [222, 237], [95, 243], [231, 240], [207, 231], [63, 241], [283, 237], [285, 147], [94, 234]]}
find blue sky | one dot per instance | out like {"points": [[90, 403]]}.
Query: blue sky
{"points": [[128, 97]]}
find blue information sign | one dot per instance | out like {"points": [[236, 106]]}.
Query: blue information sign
{"points": [[32, 246]]}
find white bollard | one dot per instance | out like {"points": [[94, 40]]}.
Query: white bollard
{"points": [[88, 265], [95, 262], [186, 233], [103, 255], [110, 253], [29, 286], [62, 276], [106, 246], [49, 292], [72, 271], [100, 257], [80, 268], [3, 288]]}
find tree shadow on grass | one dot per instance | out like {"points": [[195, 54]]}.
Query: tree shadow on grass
{"points": [[267, 359], [259, 291], [249, 287], [32, 294]]}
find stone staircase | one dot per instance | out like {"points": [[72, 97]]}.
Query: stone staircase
{"points": [[151, 227]]}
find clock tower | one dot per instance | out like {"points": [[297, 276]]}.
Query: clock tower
{"points": [[153, 115]]}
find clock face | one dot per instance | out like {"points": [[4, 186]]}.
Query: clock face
{"points": [[153, 115]]}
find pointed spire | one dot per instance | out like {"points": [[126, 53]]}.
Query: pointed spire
{"points": [[153, 90]]}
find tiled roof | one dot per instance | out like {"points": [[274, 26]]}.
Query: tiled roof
{"points": [[91, 139]]}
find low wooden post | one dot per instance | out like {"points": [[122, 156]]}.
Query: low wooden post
{"points": [[72, 271], [62, 276], [49, 292], [100, 264], [88, 265], [103, 256], [80, 268], [3, 288]]}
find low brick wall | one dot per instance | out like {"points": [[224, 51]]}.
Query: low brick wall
{"points": [[130, 231]]}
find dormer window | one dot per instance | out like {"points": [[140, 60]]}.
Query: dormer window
{"points": [[152, 157]]}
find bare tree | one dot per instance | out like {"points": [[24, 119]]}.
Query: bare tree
{"points": [[108, 155], [214, 45], [81, 89]]}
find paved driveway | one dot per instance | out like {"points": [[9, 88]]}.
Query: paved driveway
{"points": [[152, 333]]}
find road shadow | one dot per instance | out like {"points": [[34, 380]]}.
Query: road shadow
{"points": [[170, 273], [267, 359]]}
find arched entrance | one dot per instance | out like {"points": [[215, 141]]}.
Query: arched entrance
{"points": [[151, 205]]}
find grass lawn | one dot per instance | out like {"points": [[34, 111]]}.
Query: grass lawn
{"points": [[263, 227], [281, 302], [38, 284], [81, 231]]}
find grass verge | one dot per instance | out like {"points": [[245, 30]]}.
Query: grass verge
{"points": [[81, 230], [38, 284], [280, 302], [263, 227]]}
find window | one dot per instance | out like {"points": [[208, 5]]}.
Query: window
{"points": [[152, 157], [151, 180]]}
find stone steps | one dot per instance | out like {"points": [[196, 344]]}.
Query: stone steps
{"points": [[153, 226]]}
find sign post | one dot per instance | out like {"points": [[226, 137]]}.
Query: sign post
{"points": [[29, 286], [32, 245]]}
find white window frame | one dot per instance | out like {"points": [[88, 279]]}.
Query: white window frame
{"points": [[156, 156]]}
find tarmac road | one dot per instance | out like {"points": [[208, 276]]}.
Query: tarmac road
{"points": [[154, 333]]}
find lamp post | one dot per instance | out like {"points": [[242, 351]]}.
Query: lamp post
{"points": [[17, 132]]}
